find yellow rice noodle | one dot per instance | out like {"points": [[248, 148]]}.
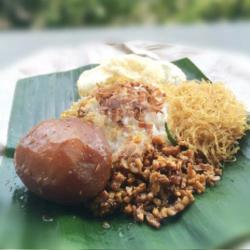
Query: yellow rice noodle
{"points": [[207, 117]]}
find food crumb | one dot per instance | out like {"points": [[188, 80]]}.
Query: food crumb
{"points": [[46, 218], [106, 225]]}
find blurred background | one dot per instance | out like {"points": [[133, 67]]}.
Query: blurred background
{"points": [[81, 13], [36, 24]]}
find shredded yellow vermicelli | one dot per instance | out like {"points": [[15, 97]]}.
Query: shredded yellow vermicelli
{"points": [[207, 117]]}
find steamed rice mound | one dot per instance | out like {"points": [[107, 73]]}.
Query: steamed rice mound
{"points": [[207, 117]]}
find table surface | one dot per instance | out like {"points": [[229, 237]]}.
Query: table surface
{"points": [[16, 46]]}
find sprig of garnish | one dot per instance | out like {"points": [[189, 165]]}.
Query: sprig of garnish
{"points": [[171, 138]]}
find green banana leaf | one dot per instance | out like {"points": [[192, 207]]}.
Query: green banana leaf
{"points": [[216, 219]]}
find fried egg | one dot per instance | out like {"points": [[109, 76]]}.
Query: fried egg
{"points": [[129, 68]]}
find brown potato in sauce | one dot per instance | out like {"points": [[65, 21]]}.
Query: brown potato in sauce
{"points": [[66, 161]]}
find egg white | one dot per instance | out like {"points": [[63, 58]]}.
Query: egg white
{"points": [[132, 68]]}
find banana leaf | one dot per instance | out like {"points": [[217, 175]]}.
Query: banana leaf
{"points": [[217, 218]]}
